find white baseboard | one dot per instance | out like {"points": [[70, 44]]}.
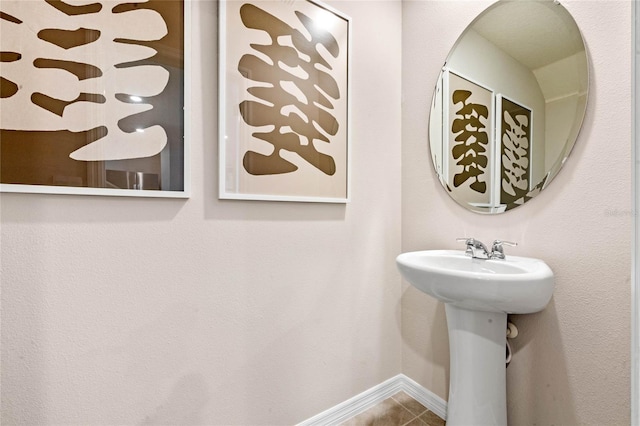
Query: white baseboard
{"points": [[367, 399]]}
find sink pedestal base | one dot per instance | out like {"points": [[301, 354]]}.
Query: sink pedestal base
{"points": [[477, 383]]}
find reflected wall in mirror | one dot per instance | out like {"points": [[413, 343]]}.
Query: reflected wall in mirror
{"points": [[509, 104]]}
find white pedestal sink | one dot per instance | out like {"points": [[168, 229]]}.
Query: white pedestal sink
{"points": [[478, 294]]}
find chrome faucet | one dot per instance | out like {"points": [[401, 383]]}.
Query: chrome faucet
{"points": [[477, 250]]}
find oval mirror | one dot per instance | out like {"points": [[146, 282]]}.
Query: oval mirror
{"points": [[509, 104]]}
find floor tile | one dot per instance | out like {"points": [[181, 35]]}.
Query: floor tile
{"points": [[416, 422], [387, 413], [397, 410], [409, 403], [431, 419]]}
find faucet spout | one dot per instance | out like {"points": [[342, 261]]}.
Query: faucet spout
{"points": [[475, 248]]}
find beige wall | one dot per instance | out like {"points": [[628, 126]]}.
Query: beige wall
{"points": [[571, 362], [139, 311]]}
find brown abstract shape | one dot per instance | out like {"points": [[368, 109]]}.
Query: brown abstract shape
{"points": [[257, 19], [127, 7], [10, 18], [82, 71], [261, 164], [57, 106], [296, 122], [10, 56], [72, 10], [7, 88], [69, 38], [37, 157], [169, 49]]}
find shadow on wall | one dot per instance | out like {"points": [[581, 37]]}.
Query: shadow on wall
{"points": [[184, 404], [22, 366], [428, 340], [538, 377]]}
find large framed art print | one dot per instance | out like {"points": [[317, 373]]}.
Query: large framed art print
{"points": [[94, 97], [284, 101]]}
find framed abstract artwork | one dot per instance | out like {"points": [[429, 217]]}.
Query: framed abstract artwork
{"points": [[94, 97], [284, 101], [514, 128], [468, 145]]}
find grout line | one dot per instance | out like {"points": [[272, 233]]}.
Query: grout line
{"points": [[399, 403], [415, 416], [405, 409], [426, 410], [405, 424]]}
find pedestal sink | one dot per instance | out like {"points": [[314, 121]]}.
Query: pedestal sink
{"points": [[478, 294]]}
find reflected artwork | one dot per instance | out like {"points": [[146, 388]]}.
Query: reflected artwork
{"points": [[470, 115], [515, 151]]}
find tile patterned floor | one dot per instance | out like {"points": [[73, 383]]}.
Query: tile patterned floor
{"points": [[398, 410]]}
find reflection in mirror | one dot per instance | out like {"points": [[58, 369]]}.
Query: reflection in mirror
{"points": [[509, 104]]}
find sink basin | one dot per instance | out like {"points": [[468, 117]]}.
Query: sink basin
{"points": [[515, 285], [478, 296]]}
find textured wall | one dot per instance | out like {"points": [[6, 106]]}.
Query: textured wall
{"points": [[571, 362], [139, 311]]}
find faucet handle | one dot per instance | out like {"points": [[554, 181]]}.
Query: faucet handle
{"points": [[497, 251], [468, 240]]}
